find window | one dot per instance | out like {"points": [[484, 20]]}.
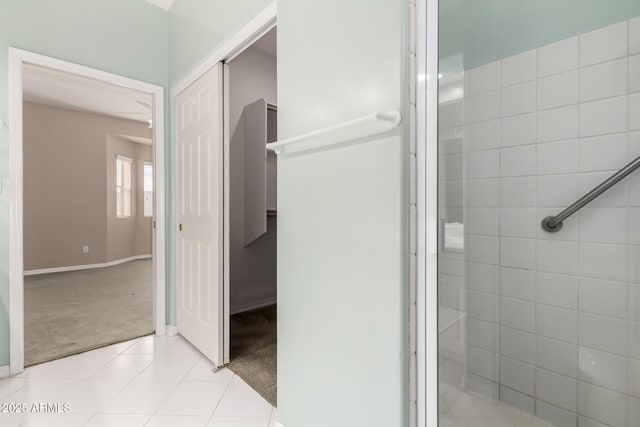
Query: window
{"points": [[123, 187], [148, 189]]}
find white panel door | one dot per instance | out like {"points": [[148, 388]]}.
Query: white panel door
{"points": [[200, 215]]}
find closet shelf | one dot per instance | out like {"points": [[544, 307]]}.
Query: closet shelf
{"points": [[372, 124]]}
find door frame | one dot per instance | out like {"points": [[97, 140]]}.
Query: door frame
{"points": [[240, 40], [427, 210], [17, 58]]}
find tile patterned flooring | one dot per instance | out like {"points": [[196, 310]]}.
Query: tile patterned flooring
{"points": [[150, 381]]}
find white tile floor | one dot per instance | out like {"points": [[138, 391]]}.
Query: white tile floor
{"points": [[150, 381]]}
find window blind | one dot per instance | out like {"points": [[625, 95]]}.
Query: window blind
{"points": [[123, 186], [148, 189]]}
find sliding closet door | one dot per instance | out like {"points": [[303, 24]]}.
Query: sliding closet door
{"points": [[200, 215]]}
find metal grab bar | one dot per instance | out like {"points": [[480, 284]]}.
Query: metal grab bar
{"points": [[553, 224]]}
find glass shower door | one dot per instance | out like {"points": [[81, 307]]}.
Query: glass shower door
{"points": [[539, 102]]}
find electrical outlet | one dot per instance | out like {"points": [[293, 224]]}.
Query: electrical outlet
{"points": [[85, 249]]}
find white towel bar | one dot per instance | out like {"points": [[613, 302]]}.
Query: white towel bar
{"points": [[368, 125]]}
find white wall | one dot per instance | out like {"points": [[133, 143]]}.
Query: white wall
{"points": [[553, 320], [252, 75]]}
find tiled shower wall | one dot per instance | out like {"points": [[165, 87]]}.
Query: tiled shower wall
{"points": [[549, 323]]}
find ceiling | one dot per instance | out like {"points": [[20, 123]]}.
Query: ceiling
{"points": [[163, 4], [60, 89]]}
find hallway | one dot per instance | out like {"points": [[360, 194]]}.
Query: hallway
{"points": [[150, 381]]}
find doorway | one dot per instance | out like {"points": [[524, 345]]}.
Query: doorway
{"points": [[237, 304], [87, 198]]}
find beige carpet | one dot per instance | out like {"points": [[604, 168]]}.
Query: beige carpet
{"points": [[253, 350], [71, 312]]}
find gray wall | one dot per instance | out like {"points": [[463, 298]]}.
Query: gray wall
{"points": [[252, 75], [66, 186]]}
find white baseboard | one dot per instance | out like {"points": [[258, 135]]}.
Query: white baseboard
{"points": [[5, 371], [252, 305], [172, 331], [84, 267]]}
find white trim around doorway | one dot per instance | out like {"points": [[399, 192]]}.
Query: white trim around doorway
{"points": [[17, 58]]}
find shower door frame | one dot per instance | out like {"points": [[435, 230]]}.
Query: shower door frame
{"points": [[426, 86]]}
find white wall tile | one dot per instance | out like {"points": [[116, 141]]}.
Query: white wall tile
{"points": [[633, 339], [634, 264], [522, 222], [634, 412], [557, 356], [557, 124], [602, 369], [604, 80], [517, 253], [482, 363], [557, 416], [634, 301], [634, 190], [482, 221], [482, 334], [517, 400], [634, 111], [559, 389], [615, 196], [482, 249], [634, 377], [557, 323], [604, 116], [634, 73], [519, 130], [482, 164], [603, 261], [518, 283], [557, 256], [518, 192], [517, 314], [517, 375], [482, 192], [483, 107], [605, 225], [448, 265], [482, 306], [482, 277], [603, 333], [557, 289], [518, 99], [634, 145], [557, 190], [634, 37], [558, 91], [588, 422], [518, 161], [603, 153], [518, 68], [484, 79], [484, 135], [604, 44], [558, 57], [557, 157], [603, 297], [518, 345], [603, 405]]}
